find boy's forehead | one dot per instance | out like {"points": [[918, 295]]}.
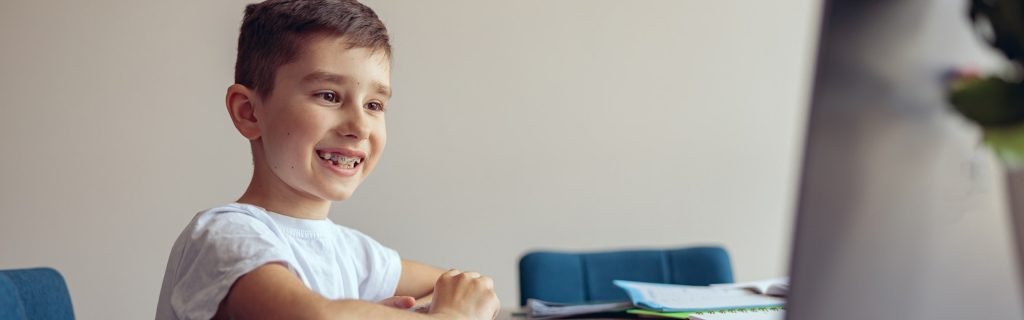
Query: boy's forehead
{"points": [[327, 49], [332, 59]]}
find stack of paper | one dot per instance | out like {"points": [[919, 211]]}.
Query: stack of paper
{"points": [[539, 309], [754, 314], [698, 302], [759, 300], [758, 315], [680, 298]]}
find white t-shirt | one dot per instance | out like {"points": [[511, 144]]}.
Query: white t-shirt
{"points": [[224, 243]]}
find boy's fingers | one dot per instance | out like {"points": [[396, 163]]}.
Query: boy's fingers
{"points": [[400, 302], [488, 282], [448, 275]]}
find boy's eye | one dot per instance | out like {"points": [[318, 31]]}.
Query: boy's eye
{"points": [[375, 106], [328, 96]]}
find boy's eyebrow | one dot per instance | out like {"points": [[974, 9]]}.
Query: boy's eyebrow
{"points": [[323, 76], [382, 89]]}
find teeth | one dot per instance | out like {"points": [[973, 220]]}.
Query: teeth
{"points": [[347, 160], [339, 160]]}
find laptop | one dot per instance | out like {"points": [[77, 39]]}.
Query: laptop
{"points": [[902, 213]]}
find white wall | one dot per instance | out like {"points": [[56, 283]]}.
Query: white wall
{"points": [[578, 125]]}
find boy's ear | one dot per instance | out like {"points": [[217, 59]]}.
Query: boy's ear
{"points": [[241, 102]]}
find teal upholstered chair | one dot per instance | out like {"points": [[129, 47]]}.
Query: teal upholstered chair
{"points": [[37, 294], [587, 277]]}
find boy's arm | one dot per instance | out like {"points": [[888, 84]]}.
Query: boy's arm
{"points": [[417, 279], [273, 292]]}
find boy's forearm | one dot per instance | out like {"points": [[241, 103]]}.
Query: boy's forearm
{"points": [[417, 279], [273, 292], [356, 309], [344, 310]]}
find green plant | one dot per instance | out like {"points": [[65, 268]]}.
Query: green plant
{"points": [[996, 103]]}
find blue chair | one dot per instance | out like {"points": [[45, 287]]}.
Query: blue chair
{"points": [[37, 294], [587, 277]]}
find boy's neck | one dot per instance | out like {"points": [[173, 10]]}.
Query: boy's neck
{"points": [[278, 197]]}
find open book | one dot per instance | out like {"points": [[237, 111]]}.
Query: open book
{"points": [[662, 297], [778, 287]]}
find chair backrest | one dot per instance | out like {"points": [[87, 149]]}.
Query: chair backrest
{"points": [[38, 294], [587, 277]]}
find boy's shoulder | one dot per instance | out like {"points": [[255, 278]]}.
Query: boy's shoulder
{"points": [[240, 214], [228, 224], [228, 215], [235, 219]]}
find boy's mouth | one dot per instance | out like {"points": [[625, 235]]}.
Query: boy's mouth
{"points": [[344, 159]]}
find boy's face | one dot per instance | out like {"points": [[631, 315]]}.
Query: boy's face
{"points": [[328, 103]]}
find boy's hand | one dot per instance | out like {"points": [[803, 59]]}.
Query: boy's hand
{"points": [[400, 302], [465, 296]]}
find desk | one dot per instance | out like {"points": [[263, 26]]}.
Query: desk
{"points": [[507, 314]]}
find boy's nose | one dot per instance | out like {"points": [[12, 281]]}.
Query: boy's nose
{"points": [[354, 125]]}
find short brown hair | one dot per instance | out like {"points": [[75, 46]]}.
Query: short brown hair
{"points": [[273, 31]]}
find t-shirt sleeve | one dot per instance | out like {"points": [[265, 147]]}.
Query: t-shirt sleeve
{"points": [[383, 269], [221, 248]]}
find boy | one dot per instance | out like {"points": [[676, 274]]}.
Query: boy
{"points": [[312, 86]]}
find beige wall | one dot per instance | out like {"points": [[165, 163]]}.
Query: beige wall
{"points": [[578, 125]]}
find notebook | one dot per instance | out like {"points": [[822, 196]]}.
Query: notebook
{"points": [[774, 314], [778, 287], [679, 298], [750, 314]]}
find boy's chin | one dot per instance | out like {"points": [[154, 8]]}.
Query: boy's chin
{"points": [[338, 195]]}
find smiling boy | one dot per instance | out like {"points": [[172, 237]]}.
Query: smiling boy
{"points": [[312, 85]]}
